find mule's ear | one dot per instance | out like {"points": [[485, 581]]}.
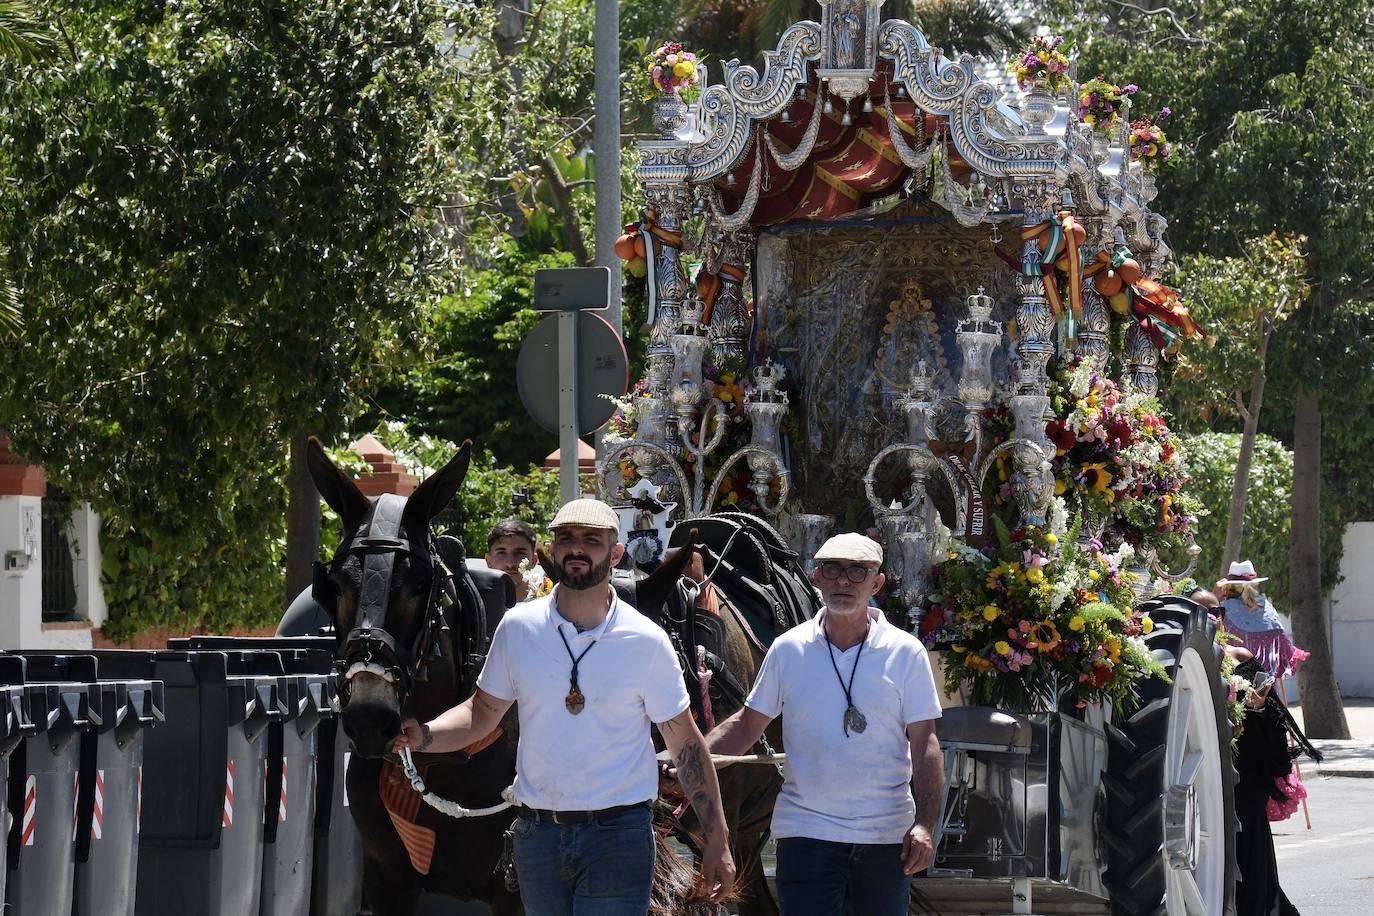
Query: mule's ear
{"points": [[654, 588], [550, 567], [431, 496], [337, 488]]}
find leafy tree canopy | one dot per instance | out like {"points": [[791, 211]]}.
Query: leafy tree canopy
{"points": [[221, 216]]}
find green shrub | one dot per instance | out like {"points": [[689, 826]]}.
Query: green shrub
{"points": [[1268, 508]]}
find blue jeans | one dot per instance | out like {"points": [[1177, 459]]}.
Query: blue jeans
{"points": [[821, 878], [601, 868]]}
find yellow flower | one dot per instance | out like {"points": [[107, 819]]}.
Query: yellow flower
{"points": [[1059, 486], [1002, 648], [1097, 478], [1051, 538], [990, 613], [1113, 647], [1035, 575], [1076, 623], [959, 648], [1093, 575], [1147, 625], [684, 69]]}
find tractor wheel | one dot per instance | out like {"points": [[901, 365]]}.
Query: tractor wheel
{"points": [[1169, 815]]}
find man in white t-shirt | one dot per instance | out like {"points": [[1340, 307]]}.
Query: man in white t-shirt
{"points": [[589, 674], [858, 706]]}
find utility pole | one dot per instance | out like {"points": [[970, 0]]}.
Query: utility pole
{"points": [[606, 144]]}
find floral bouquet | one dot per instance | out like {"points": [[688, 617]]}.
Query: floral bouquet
{"points": [[1043, 61], [1100, 103], [1035, 620], [535, 579], [1116, 458], [1149, 146], [672, 70]]}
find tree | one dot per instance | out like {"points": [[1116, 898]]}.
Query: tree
{"points": [[977, 27], [222, 219], [1280, 140], [22, 38], [1241, 300]]}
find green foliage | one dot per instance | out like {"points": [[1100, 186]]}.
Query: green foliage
{"points": [[1240, 300], [23, 36], [465, 389], [978, 27], [1212, 465], [210, 579], [221, 221]]}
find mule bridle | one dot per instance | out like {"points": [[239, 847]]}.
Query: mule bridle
{"points": [[369, 647]]}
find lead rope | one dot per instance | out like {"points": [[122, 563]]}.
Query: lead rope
{"points": [[443, 805]]}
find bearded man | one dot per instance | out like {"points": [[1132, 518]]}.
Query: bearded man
{"points": [[589, 674]]}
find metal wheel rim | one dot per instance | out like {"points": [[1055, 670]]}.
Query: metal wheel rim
{"points": [[1193, 767]]}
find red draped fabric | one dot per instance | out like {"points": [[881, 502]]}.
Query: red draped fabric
{"points": [[850, 166]]}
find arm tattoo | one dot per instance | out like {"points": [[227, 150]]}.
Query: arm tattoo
{"points": [[426, 737], [692, 761]]}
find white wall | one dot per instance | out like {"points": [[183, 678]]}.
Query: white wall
{"points": [[84, 537], [21, 592], [1352, 613]]}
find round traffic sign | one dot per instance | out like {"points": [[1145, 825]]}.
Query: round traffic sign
{"points": [[603, 372]]}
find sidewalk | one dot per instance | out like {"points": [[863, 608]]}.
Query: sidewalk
{"points": [[1348, 758]]}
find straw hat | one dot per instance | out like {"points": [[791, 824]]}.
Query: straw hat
{"points": [[1242, 573]]}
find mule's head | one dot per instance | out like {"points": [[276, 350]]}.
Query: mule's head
{"points": [[379, 589]]}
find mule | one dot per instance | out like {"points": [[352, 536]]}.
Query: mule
{"points": [[412, 630]]}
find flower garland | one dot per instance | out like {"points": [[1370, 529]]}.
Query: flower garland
{"points": [[672, 70], [1116, 457], [1034, 620], [1100, 103], [1149, 146], [1043, 61]]}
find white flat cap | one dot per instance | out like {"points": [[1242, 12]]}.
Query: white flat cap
{"points": [[589, 513], [856, 548]]}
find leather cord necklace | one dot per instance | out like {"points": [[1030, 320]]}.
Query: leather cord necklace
{"points": [[853, 719], [576, 701]]}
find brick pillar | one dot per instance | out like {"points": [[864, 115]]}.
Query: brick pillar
{"points": [[388, 475]]}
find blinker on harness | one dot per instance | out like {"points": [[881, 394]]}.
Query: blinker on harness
{"points": [[369, 646]]}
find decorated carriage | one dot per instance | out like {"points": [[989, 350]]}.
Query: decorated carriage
{"points": [[892, 291]]}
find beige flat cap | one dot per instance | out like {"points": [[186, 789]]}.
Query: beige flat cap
{"points": [[589, 513], [856, 548]]}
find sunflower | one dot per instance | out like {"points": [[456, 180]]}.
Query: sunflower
{"points": [[1045, 635], [1095, 478]]}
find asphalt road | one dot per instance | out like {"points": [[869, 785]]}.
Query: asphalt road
{"points": [[1329, 870]]}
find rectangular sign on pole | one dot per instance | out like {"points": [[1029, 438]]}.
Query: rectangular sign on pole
{"points": [[572, 289]]}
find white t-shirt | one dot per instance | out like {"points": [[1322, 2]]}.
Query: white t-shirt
{"points": [[854, 789], [605, 756]]}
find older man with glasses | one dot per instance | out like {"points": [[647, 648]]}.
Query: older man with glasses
{"points": [[857, 811]]}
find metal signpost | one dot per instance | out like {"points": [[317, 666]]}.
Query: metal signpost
{"points": [[569, 291]]}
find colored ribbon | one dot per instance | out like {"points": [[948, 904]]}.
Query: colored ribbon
{"points": [[1060, 239], [655, 236]]}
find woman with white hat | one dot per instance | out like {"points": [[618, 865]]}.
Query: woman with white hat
{"points": [[1251, 618]]}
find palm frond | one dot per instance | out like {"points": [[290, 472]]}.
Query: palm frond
{"points": [[977, 27], [777, 16], [11, 321], [23, 35]]}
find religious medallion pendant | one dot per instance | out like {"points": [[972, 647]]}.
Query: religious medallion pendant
{"points": [[854, 720], [575, 702]]}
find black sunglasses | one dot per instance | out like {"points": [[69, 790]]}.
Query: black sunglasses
{"points": [[833, 571]]}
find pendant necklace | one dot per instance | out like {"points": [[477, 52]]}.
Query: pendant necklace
{"points": [[853, 719], [575, 701]]}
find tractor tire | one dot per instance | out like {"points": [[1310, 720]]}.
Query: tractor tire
{"points": [[1168, 821]]}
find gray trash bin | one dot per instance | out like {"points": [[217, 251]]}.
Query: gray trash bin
{"points": [[337, 882], [289, 827], [108, 806], [15, 724], [42, 800]]}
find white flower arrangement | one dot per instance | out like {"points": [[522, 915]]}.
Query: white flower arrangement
{"points": [[535, 579]]}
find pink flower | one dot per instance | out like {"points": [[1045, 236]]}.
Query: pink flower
{"points": [[1033, 559]]}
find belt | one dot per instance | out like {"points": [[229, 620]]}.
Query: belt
{"points": [[579, 817]]}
